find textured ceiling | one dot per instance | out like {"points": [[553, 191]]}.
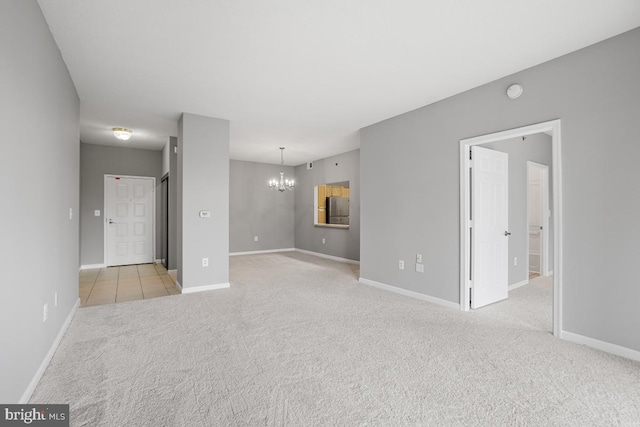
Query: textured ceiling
{"points": [[305, 75]]}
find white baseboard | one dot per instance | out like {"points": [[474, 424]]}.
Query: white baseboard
{"points": [[268, 251], [92, 266], [411, 294], [172, 271], [204, 288], [24, 399], [517, 285], [331, 257], [607, 347]]}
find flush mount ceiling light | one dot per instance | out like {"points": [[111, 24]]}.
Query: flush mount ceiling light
{"points": [[282, 184], [122, 133], [514, 91]]}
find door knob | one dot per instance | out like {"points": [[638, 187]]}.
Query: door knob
{"points": [[506, 233], [111, 222]]}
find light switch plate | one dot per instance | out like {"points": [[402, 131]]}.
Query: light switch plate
{"points": [[96, 212]]}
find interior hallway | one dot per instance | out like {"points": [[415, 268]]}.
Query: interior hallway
{"points": [[127, 283]]}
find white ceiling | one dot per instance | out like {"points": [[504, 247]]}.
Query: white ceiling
{"points": [[302, 74]]}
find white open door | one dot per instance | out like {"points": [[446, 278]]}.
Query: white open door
{"points": [[490, 221], [129, 220]]}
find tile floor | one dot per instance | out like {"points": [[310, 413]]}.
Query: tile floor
{"points": [[127, 283]]}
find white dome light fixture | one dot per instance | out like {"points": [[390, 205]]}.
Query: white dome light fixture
{"points": [[514, 91], [122, 133]]}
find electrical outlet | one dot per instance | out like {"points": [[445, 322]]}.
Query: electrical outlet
{"points": [[401, 265], [255, 238], [419, 258], [55, 299], [515, 260], [45, 312], [420, 268], [323, 241], [205, 262], [70, 213]]}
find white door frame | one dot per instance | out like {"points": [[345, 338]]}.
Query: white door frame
{"points": [[552, 127], [153, 212], [544, 216]]}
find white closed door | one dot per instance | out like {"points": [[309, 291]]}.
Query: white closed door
{"points": [[129, 220], [490, 221]]}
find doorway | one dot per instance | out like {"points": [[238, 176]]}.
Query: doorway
{"points": [[467, 257], [538, 214], [129, 228]]}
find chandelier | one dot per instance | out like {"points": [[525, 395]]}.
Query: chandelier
{"points": [[283, 184]]}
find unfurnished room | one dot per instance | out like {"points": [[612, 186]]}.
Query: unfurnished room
{"points": [[224, 213]]}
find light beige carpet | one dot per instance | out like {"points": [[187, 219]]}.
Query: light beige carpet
{"points": [[298, 341]]}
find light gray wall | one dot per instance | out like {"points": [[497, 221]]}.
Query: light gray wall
{"points": [[40, 164], [95, 162], [166, 158], [255, 210], [414, 159], [342, 243], [203, 184], [536, 148], [173, 203]]}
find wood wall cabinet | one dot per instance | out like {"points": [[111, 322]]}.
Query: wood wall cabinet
{"points": [[322, 216], [322, 204], [322, 196]]}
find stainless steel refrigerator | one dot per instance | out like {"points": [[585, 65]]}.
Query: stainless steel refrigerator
{"points": [[338, 210]]}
